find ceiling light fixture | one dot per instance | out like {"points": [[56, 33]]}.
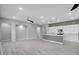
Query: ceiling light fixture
{"points": [[49, 22], [72, 18], [14, 17], [58, 20], [53, 18], [70, 13], [20, 8], [42, 17], [21, 26], [42, 21]]}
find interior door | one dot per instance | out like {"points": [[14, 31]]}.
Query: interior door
{"points": [[20, 32], [5, 32]]}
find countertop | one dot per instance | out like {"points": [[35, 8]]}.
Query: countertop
{"points": [[52, 34]]}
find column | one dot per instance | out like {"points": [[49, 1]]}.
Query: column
{"points": [[13, 32], [0, 31]]}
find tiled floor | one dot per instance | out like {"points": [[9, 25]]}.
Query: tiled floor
{"points": [[38, 47]]}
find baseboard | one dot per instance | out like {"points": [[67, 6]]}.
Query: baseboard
{"points": [[70, 41], [53, 41]]}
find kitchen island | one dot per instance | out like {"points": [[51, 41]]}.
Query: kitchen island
{"points": [[53, 38]]}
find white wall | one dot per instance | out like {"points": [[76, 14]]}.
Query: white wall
{"points": [[52, 30], [32, 32], [70, 32], [71, 29], [31, 29], [0, 31], [44, 29]]}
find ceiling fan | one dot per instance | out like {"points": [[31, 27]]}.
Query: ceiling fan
{"points": [[28, 19], [74, 7]]}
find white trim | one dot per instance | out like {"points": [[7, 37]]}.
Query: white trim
{"points": [[53, 41]]}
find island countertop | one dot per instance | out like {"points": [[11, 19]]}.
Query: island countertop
{"points": [[52, 35]]}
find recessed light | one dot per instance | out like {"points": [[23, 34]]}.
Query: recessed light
{"points": [[21, 26], [42, 21], [70, 13], [14, 17], [49, 22], [53, 18], [72, 18], [42, 17], [20, 8], [58, 20]]}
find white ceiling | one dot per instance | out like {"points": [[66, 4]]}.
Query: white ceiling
{"points": [[39, 13]]}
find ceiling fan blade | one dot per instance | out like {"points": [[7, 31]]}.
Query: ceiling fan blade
{"points": [[75, 6], [29, 20]]}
